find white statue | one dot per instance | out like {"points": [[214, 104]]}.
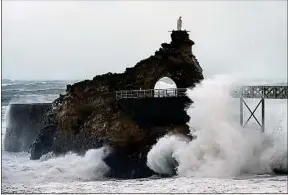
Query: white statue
{"points": [[179, 23]]}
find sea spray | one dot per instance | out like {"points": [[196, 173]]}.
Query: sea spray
{"points": [[222, 148], [5, 120], [160, 159], [69, 167]]}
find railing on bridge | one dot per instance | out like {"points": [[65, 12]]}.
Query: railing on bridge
{"points": [[267, 92], [257, 92], [151, 93]]}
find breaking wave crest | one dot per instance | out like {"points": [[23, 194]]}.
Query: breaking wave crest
{"points": [[160, 159], [69, 167], [222, 148]]}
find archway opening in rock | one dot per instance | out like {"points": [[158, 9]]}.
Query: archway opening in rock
{"points": [[165, 86]]}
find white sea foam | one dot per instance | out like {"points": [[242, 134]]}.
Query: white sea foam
{"points": [[222, 148], [159, 159], [74, 174], [70, 167]]}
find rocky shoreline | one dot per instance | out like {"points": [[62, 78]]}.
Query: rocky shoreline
{"points": [[89, 115]]}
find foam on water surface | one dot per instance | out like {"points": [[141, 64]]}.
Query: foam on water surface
{"points": [[223, 159], [222, 147]]}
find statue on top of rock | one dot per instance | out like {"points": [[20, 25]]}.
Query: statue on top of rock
{"points": [[179, 23]]}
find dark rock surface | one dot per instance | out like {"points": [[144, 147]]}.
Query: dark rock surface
{"points": [[44, 142], [125, 163], [89, 115], [156, 112]]}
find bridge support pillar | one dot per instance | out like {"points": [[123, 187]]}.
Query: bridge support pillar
{"points": [[252, 113]]}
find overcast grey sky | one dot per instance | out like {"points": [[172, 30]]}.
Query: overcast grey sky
{"points": [[80, 39]]}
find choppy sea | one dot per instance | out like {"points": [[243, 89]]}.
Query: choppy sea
{"points": [[225, 158]]}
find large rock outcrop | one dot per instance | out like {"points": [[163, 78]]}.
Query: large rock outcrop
{"points": [[89, 115]]}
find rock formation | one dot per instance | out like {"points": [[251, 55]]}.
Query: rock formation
{"points": [[89, 115]]}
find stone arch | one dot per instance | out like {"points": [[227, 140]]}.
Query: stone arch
{"points": [[164, 74], [165, 86], [165, 83]]}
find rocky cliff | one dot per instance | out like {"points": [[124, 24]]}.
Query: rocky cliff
{"points": [[89, 115]]}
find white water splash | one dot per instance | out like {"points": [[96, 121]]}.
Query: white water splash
{"points": [[222, 148], [70, 167], [73, 174], [159, 159]]}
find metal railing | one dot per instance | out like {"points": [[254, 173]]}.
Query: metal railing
{"points": [[151, 93], [267, 92], [258, 92]]}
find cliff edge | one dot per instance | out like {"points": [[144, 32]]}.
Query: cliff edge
{"points": [[89, 116]]}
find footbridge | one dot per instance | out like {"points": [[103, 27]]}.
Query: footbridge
{"points": [[155, 107], [243, 93], [261, 93], [151, 93]]}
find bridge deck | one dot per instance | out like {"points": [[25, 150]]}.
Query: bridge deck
{"points": [[266, 92], [259, 92], [151, 93]]}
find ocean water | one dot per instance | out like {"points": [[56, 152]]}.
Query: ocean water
{"points": [[224, 158]]}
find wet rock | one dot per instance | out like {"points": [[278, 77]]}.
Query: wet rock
{"points": [[124, 165], [43, 143], [89, 114]]}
